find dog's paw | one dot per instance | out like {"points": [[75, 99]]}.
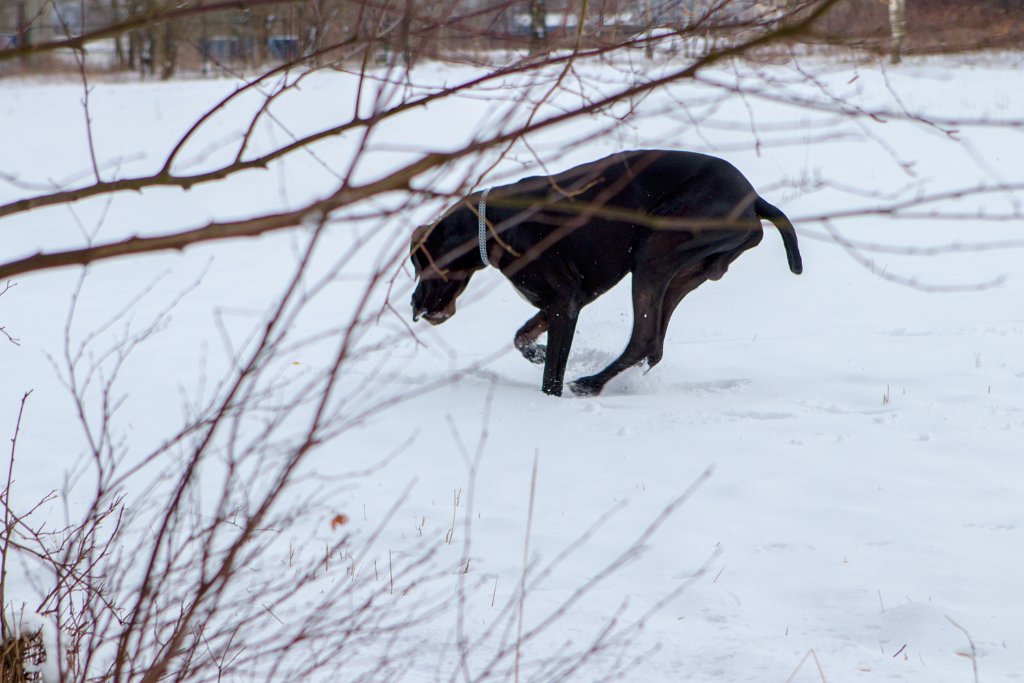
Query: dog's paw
{"points": [[535, 353], [647, 364], [586, 386], [552, 389]]}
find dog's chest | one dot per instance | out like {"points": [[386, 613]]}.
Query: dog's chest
{"points": [[527, 294]]}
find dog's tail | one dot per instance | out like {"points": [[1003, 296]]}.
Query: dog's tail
{"points": [[765, 210]]}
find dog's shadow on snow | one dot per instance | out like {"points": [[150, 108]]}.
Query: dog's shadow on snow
{"points": [[641, 380], [583, 362]]}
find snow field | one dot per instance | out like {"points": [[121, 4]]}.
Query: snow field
{"points": [[864, 438]]}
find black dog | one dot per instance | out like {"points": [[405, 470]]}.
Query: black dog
{"points": [[673, 219]]}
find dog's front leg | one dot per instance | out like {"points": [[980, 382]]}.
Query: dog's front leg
{"points": [[561, 327], [526, 338]]}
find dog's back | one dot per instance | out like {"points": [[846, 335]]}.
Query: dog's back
{"points": [[621, 199]]}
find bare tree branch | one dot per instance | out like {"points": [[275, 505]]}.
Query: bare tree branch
{"points": [[400, 179]]}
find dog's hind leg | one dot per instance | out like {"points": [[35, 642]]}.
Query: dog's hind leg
{"points": [[688, 279], [648, 295], [682, 284], [526, 338]]}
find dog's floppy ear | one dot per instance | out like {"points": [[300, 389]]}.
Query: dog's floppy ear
{"points": [[421, 258], [419, 235]]}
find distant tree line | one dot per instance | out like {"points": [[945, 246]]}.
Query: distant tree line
{"points": [[161, 37]]}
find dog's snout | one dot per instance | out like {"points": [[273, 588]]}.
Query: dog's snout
{"points": [[436, 318]]}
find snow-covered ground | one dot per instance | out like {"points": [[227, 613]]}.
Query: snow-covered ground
{"points": [[864, 439]]}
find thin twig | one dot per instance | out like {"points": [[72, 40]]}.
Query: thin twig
{"points": [[5, 630], [974, 651], [526, 557]]}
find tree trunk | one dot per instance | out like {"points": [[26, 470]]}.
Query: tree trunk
{"points": [[649, 21], [22, 29], [118, 15], [405, 29], [169, 62], [538, 26], [898, 27]]}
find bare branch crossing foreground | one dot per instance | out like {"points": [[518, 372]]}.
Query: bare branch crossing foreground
{"points": [[348, 195], [746, 37]]}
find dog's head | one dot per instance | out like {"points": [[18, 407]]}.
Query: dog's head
{"points": [[444, 257]]}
